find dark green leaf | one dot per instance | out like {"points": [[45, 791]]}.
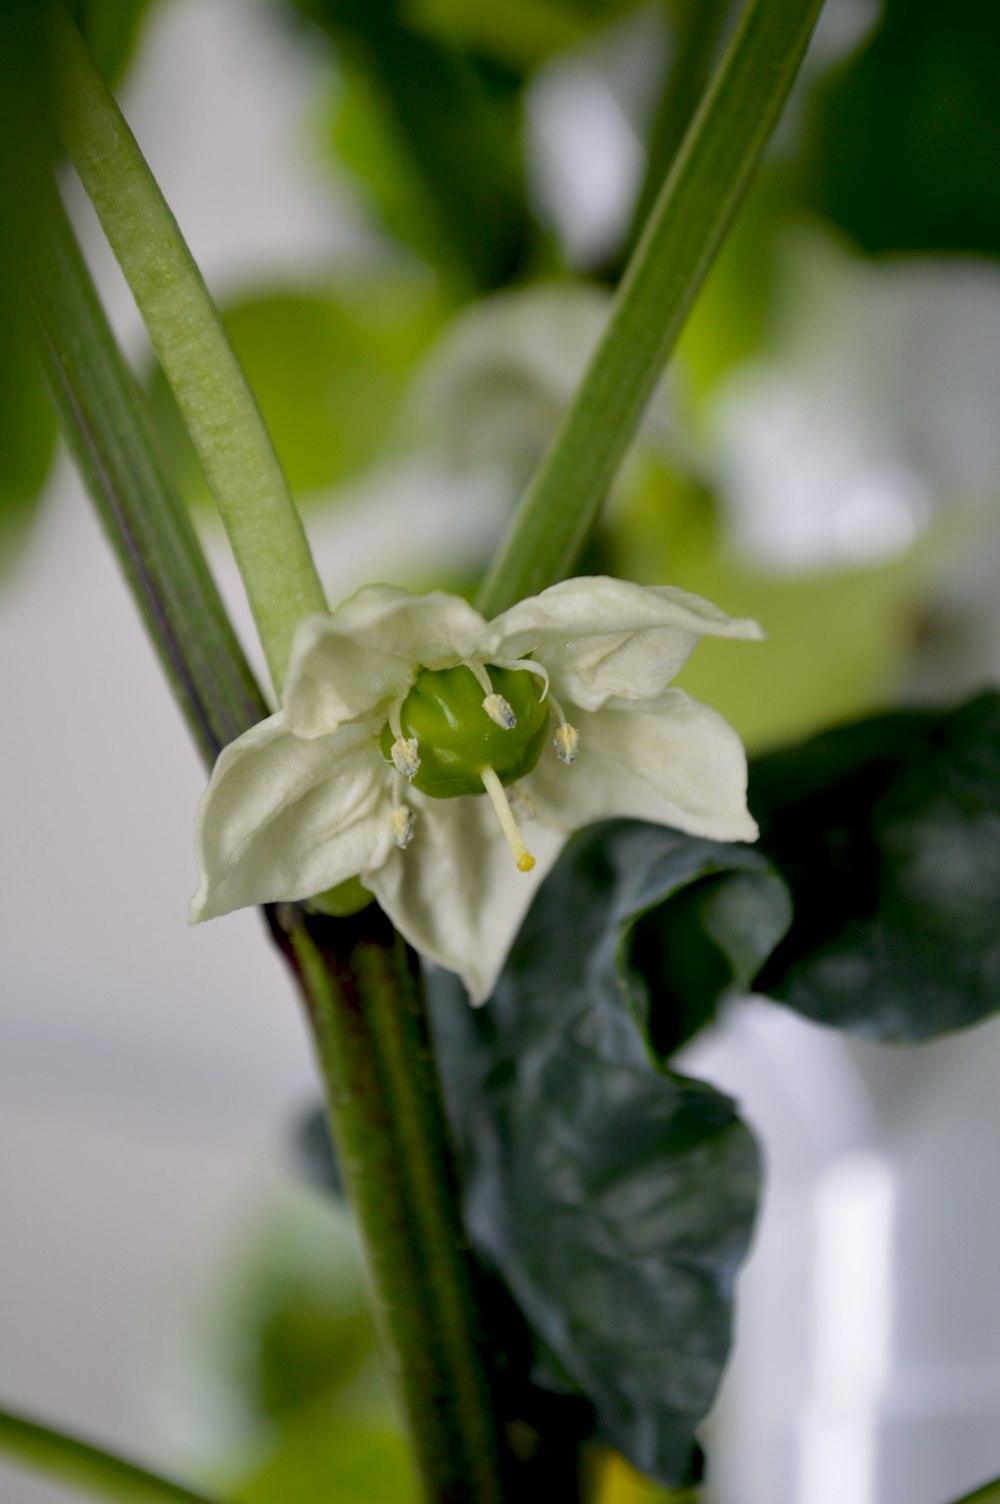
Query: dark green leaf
{"points": [[904, 138], [615, 1197], [888, 835], [27, 434]]}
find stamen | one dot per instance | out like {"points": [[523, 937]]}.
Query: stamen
{"points": [[497, 708], [500, 712], [523, 857], [401, 825], [405, 756], [522, 802], [567, 738], [527, 666]]}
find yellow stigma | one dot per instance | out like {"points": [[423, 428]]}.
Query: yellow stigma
{"points": [[522, 856]]}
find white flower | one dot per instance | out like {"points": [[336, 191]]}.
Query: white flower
{"points": [[335, 785]]}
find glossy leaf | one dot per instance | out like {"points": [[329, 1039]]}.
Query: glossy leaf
{"points": [[888, 835], [614, 1197]]}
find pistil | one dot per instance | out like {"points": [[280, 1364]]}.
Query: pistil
{"points": [[491, 783]]}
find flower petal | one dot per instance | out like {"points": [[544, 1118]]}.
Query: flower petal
{"points": [[285, 818], [349, 664], [609, 642], [455, 892], [677, 764]]}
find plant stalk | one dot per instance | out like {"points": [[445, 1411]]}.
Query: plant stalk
{"points": [[364, 1000], [54, 1454], [103, 416], [693, 212], [220, 411], [360, 981]]}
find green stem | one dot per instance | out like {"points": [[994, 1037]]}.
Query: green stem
{"points": [[219, 408], [365, 1005], [988, 1494], [692, 214], [360, 981], [90, 1468], [697, 31], [104, 420]]}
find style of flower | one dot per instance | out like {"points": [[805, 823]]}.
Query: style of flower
{"points": [[415, 738]]}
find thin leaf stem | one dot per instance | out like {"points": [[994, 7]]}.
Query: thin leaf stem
{"points": [[55, 1454], [697, 31], [193, 348], [364, 1000], [103, 417], [692, 214]]}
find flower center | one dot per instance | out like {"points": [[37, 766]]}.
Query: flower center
{"points": [[449, 732]]}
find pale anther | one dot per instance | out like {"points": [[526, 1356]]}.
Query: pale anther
{"points": [[405, 756], [401, 825], [497, 708], [491, 783], [500, 712], [567, 741]]}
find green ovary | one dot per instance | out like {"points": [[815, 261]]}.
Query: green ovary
{"points": [[444, 713]]}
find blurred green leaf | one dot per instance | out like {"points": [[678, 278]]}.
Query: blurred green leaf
{"points": [[614, 1197], [667, 526], [27, 436], [328, 370], [521, 33], [904, 137], [27, 424], [325, 1460], [448, 126], [111, 29], [888, 835], [988, 1494]]}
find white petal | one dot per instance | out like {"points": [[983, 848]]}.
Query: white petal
{"points": [[679, 764], [284, 817], [609, 642], [347, 665], [455, 892]]}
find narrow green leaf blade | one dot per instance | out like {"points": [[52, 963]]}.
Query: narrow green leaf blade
{"points": [[888, 835], [105, 423], [711, 172], [58, 1455]]}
